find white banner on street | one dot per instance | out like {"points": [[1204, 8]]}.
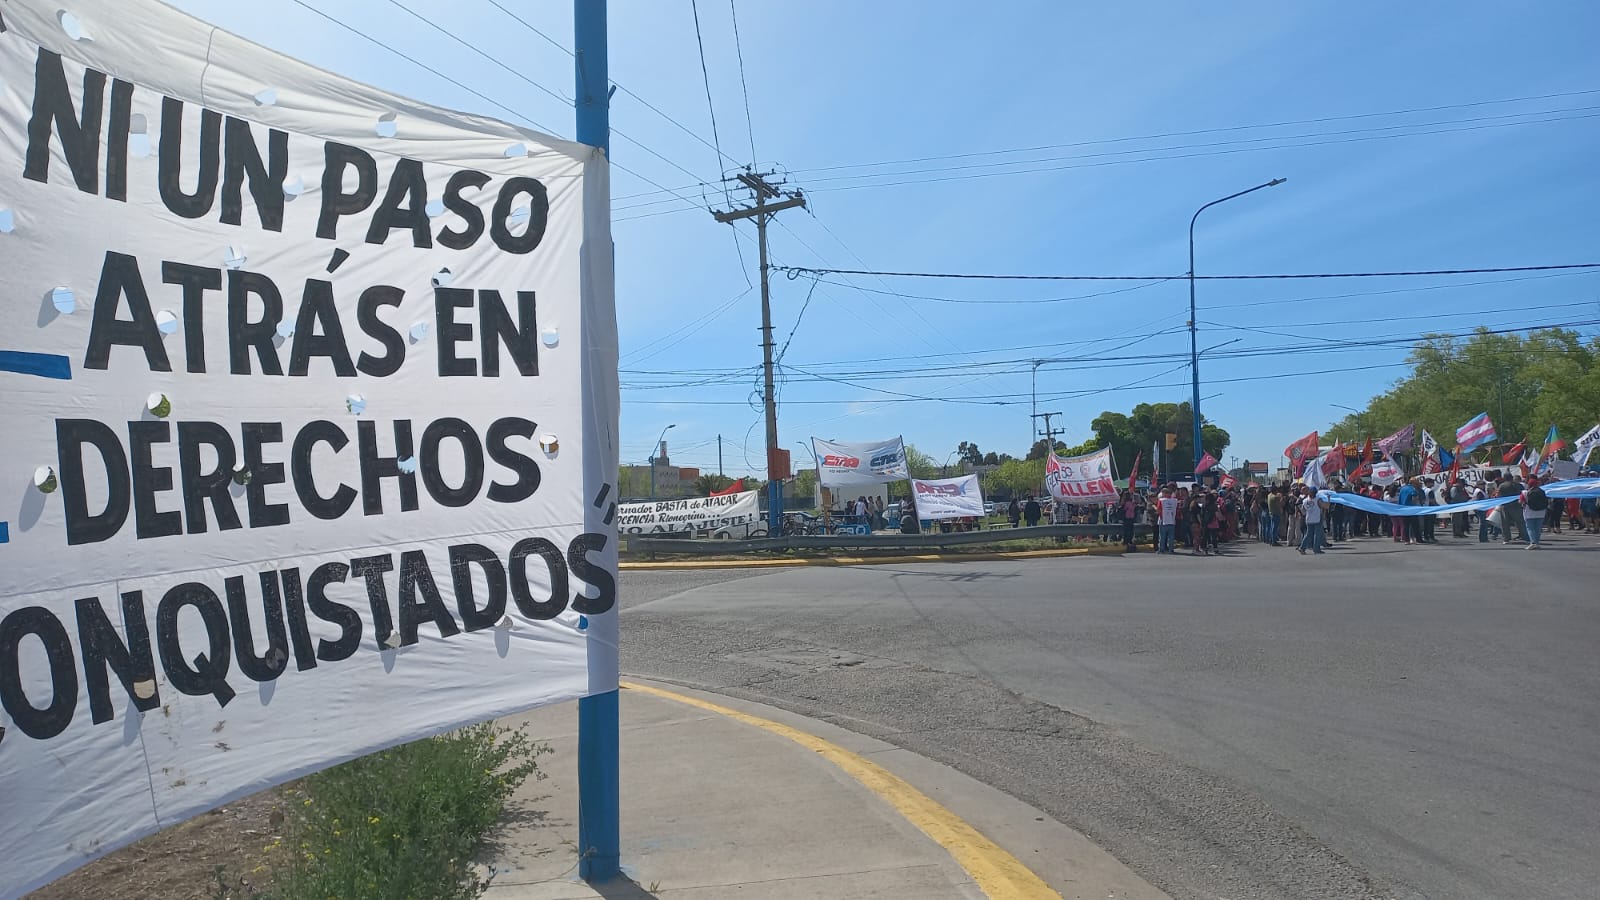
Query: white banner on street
{"points": [[1081, 479], [841, 464], [948, 498], [733, 511], [310, 412]]}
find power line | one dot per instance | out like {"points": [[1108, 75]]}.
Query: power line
{"points": [[1217, 130], [803, 270], [705, 74], [619, 86], [420, 64], [1200, 154], [1147, 150], [750, 128], [490, 100], [1214, 144]]}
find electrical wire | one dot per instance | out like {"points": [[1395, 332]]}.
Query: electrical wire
{"points": [[738, 46], [621, 87], [803, 270], [705, 74], [490, 100], [1322, 134]]}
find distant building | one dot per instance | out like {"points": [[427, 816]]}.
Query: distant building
{"points": [[670, 480]]}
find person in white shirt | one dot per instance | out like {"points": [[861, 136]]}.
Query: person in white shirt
{"points": [[1169, 520], [1313, 506]]}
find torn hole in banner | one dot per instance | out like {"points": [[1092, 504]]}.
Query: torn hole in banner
{"points": [[44, 478], [356, 403], [266, 97], [166, 321], [418, 331], [550, 336], [293, 186], [235, 257], [434, 209], [139, 135], [73, 26], [64, 299], [8, 220], [443, 277], [387, 126]]}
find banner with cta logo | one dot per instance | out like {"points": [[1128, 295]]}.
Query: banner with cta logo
{"points": [[1080, 479], [841, 464], [948, 498]]}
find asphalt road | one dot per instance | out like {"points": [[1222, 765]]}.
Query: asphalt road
{"points": [[1380, 721]]}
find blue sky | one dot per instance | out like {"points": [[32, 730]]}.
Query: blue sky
{"points": [[836, 84]]}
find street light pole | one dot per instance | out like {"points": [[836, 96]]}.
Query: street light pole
{"points": [[656, 448], [1194, 352]]}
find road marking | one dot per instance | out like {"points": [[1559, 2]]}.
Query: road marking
{"points": [[997, 873], [993, 556]]}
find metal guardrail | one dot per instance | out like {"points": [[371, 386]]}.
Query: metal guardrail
{"points": [[878, 541]]}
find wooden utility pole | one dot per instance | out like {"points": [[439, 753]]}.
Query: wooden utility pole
{"points": [[767, 200], [1049, 433]]}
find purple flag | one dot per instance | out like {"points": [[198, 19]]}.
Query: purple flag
{"points": [[1399, 442]]}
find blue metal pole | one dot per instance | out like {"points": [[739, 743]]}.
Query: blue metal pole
{"points": [[599, 743]]}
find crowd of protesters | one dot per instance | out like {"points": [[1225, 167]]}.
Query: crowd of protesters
{"points": [[1199, 519]]}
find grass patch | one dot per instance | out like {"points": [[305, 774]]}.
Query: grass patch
{"points": [[405, 822]]}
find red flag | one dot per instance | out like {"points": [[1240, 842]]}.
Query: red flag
{"points": [[1366, 459], [1514, 454], [1333, 462], [1302, 451], [1133, 474], [1227, 481], [734, 488], [1455, 467], [1430, 466], [1206, 464]]}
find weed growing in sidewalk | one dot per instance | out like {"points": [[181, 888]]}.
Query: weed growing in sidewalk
{"points": [[405, 822]]}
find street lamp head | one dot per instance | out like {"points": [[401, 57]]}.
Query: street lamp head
{"points": [[1276, 181], [669, 427]]}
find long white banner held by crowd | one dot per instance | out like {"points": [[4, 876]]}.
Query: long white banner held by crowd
{"points": [[841, 464], [1080, 479], [948, 498], [740, 510], [313, 392]]}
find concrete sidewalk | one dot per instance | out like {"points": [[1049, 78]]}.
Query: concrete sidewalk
{"points": [[734, 799]]}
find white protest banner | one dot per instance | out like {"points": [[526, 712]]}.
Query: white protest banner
{"points": [[733, 511], [948, 498], [317, 388], [1080, 479], [1385, 473], [841, 464], [1585, 446]]}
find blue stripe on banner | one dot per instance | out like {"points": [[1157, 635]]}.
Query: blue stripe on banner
{"points": [[5, 533], [1385, 508], [44, 365]]}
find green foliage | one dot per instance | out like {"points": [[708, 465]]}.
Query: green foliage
{"points": [[804, 488], [969, 453], [1089, 446], [1525, 383], [1014, 478], [405, 822], [1150, 423], [710, 482], [1042, 446], [921, 464]]}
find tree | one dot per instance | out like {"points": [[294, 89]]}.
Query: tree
{"points": [[707, 484], [992, 459], [1149, 424], [1087, 447], [921, 464], [1043, 446], [1525, 382], [970, 453], [804, 488], [1014, 478]]}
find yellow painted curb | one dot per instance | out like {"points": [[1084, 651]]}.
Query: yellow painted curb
{"points": [[1114, 550], [997, 873]]}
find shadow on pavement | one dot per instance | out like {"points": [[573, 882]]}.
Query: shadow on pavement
{"points": [[622, 889]]}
